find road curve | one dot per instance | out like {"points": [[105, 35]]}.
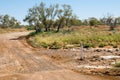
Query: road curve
{"points": [[18, 62]]}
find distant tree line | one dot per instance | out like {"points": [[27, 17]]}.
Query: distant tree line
{"points": [[107, 20], [54, 17], [8, 22]]}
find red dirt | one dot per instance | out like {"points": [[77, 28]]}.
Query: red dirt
{"points": [[19, 61]]}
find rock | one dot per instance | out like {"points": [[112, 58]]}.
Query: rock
{"points": [[110, 50], [117, 49], [110, 57], [96, 56], [98, 50], [112, 63], [69, 46]]}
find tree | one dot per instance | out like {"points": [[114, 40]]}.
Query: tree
{"points": [[60, 20], [1, 19], [118, 20], [85, 22], [103, 21], [67, 14], [7, 21], [110, 21], [13, 22], [75, 21], [40, 15], [52, 11], [49, 17], [32, 18], [93, 21], [64, 16]]}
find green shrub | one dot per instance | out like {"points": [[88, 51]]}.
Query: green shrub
{"points": [[44, 45], [102, 45], [32, 34], [115, 46], [30, 28], [55, 45], [117, 64], [87, 45]]}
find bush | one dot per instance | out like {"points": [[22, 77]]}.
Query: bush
{"points": [[32, 34], [117, 64], [115, 46], [44, 45], [55, 45], [87, 45], [30, 28], [102, 45]]}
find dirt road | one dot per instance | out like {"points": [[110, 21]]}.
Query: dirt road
{"points": [[20, 62]]}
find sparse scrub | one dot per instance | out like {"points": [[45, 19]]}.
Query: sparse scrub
{"points": [[7, 30], [102, 45], [89, 38]]}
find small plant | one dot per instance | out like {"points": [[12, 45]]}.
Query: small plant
{"points": [[87, 45], [44, 45], [117, 64], [55, 45], [115, 46], [32, 34], [30, 28], [102, 45]]}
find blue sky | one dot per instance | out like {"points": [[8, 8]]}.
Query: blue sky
{"points": [[82, 8]]}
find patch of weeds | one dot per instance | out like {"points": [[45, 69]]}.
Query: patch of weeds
{"points": [[60, 39], [32, 34], [115, 46], [88, 45], [30, 28], [101, 45], [44, 45], [55, 45], [117, 64]]}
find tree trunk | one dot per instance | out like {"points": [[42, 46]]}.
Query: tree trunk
{"points": [[58, 28], [49, 26], [37, 29], [46, 29]]}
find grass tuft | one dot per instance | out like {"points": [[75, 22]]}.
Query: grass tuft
{"points": [[117, 64]]}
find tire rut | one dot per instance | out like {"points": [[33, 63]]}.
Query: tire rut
{"points": [[28, 62]]}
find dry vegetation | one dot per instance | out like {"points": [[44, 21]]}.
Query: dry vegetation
{"points": [[95, 37], [8, 30], [99, 36], [19, 61]]}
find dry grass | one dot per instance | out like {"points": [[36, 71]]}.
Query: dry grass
{"points": [[95, 37], [7, 30]]}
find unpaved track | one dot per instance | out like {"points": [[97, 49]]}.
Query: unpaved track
{"points": [[19, 62]]}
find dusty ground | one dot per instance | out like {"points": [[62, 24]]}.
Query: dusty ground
{"points": [[18, 61], [93, 63]]}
